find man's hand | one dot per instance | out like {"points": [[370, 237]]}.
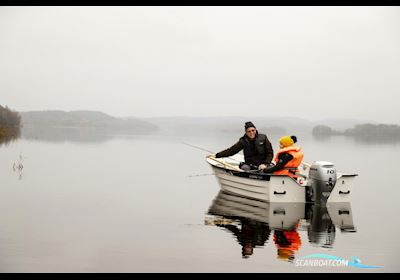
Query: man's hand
{"points": [[262, 167]]}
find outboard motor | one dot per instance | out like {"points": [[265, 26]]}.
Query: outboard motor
{"points": [[321, 180]]}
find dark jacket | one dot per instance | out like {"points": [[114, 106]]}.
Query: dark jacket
{"points": [[255, 233], [283, 159], [256, 152]]}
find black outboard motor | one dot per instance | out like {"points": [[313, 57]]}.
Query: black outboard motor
{"points": [[321, 180]]}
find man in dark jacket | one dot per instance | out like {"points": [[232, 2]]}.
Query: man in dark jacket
{"points": [[256, 147]]}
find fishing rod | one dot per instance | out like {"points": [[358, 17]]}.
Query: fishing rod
{"points": [[197, 147], [235, 168], [213, 158], [198, 175], [211, 152]]}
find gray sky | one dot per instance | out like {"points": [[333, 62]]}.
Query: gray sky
{"points": [[309, 62]]}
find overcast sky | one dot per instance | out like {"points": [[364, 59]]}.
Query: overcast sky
{"points": [[309, 62]]}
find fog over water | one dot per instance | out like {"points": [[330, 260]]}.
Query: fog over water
{"points": [[98, 178], [330, 62]]}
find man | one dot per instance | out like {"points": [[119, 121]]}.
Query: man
{"points": [[256, 148]]}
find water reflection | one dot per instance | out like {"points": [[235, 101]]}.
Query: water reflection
{"points": [[252, 222], [323, 221], [287, 242], [11, 135], [249, 233], [18, 166], [322, 137], [375, 139], [63, 134], [90, 134]]}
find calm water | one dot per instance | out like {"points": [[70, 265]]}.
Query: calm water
{"points": [[93, 203]]}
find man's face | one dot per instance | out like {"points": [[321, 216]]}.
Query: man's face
{"points": [[251, 132], [248, 249]]}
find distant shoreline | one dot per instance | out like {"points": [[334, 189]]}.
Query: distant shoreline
{"points": [[34, 123]]}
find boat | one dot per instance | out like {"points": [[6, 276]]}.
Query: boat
{"points": [[318, 182]]}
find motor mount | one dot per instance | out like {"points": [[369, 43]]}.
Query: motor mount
{"points": [[321, 181]]}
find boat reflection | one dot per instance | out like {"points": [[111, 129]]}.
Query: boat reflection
{"points": [[323, 221], [252, 222], [248, 233]]}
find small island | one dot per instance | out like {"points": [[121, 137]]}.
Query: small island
{"points": [[362, 132]]}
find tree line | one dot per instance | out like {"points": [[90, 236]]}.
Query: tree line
{"points": [[10, 122], [368, 130], [9, 118]]}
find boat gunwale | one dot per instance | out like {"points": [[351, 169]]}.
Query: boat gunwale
{"points": [[246, 174]]}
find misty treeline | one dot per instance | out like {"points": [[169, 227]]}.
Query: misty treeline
{"points": [[9, 124], [377, 131], [9, 118]]}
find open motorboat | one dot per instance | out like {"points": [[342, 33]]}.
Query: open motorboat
{"points": [[318, 182]]}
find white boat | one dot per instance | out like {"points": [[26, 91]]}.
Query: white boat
{"points": [[318, 182]]}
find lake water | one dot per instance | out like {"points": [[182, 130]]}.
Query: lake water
{"points": [[93, 203]]}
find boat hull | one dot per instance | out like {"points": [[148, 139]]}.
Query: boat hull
{"points": [[271, 188], [275, 188]]}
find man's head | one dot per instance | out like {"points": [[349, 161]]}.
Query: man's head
{"points": [[247, 250], [250, 129]]}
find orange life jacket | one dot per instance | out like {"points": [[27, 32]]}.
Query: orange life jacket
{"points": [[290, 167], [293, 238]]}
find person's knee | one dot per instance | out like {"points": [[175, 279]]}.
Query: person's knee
{"points": [[245, 167]]}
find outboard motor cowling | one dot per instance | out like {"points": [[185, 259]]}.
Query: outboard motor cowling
{"points": [[321, 180]]}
